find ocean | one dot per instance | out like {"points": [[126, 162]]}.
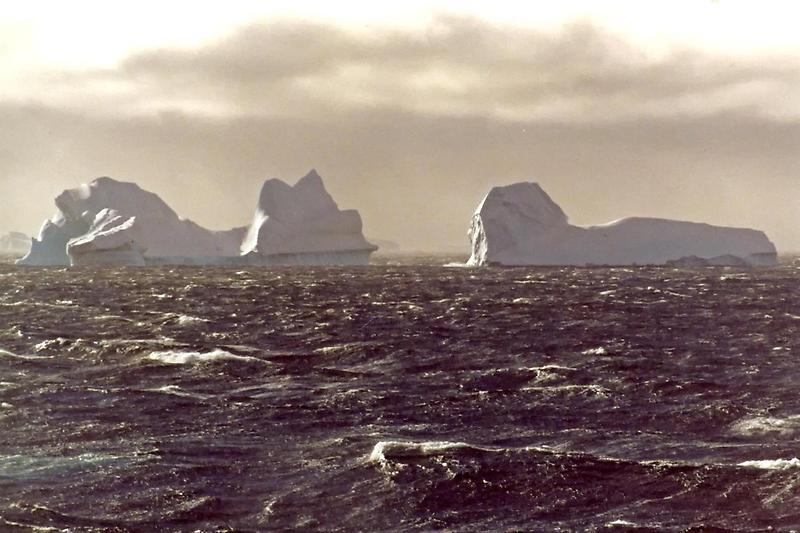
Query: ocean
{"points": [[403, 396]]}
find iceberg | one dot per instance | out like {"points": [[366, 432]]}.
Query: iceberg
{"points": [[302, 224], [158, 229], [520, 224], [109, 222], [14, 243]]}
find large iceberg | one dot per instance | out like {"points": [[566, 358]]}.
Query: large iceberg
{"points": [[15, 243], [520, 224], [301, 224], [158, 229], [108, 222]]}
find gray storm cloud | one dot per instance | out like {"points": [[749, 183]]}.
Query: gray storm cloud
{"points": [[457, 66], [413, 127]]}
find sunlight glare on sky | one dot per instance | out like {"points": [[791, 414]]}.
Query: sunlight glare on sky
{"points": [[90, 33]]}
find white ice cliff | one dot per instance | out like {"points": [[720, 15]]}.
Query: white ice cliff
{"points": [[301, 224], [108, 222], [520, 224], [112, 240]]}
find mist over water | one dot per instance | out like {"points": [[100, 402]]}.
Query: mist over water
{"points": [[399, 396]]}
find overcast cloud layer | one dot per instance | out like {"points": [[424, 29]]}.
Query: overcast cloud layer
{"points": [[413, 127]]}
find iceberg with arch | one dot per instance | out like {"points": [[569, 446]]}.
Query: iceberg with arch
{"points": [[110, 222], [520, 224]]}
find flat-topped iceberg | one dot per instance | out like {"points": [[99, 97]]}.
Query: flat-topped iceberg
{"points": [[520, 224], [108, 222]]}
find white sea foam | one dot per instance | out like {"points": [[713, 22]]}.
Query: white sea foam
{"points": [[595, 351], [620, 523], [172, 357], [773, 464], [184, 320], [388, 449], [764, 425]]}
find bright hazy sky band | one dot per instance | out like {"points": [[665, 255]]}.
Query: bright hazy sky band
{"points": [[410, 112]]}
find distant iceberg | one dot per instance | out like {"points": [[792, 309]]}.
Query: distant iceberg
{"points": [[15, 243], [108, 222], [520, 224]]}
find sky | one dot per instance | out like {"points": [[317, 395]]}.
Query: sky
{"points": [[410, 112]]}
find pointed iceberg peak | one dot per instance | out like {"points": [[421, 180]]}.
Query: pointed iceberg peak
{"points": [[312, 175], [302, 223]]}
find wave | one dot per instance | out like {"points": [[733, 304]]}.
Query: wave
{"points": [[26, 467], [387, 450], [6, 353], [773, 464], [184, 320], [174, 390], [174, 357], [767, 425]]}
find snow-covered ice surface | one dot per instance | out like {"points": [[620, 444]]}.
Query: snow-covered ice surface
{"points": [[111, 240], [520, 224]]}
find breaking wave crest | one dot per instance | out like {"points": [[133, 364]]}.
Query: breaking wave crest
{"points": [[773, 464], [172, 357]]}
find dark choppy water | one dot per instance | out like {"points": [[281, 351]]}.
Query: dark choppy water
{"points": [[399, 398]]}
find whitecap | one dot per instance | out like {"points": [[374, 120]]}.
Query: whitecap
{"points": [[387, 449], [184, 320], [773, 464], [764, 425], [172, 357], [621, 523], [595, 351]]}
